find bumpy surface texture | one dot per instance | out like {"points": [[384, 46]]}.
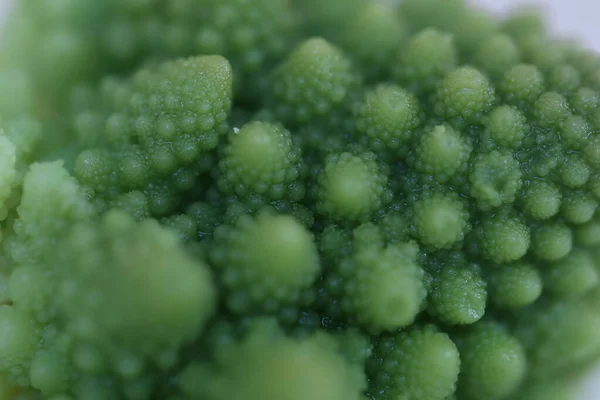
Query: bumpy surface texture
{"points": [[295, 200]]}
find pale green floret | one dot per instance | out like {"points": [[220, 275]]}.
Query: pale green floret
{"points": [[88, 359], [524, 22], [541, 199], [174, 133], [60, 397], [267, 365], [372, 37], [472, 29], [369, 236], [88, 126], [591, 152], [387, 117], [522, 85], [575, 132], [49, 373], [551, 110], [441, 220], [507, 126], [493, 363], [8, 172], [592, 78], [594, 186], [496, 55], [545, 160], [206, 216], [585, 101], [464, 94], [119, 268], [574, 172], [265, 261], [67, 58], [134, 168], [551, 241], [94, 388], [458, 295], [351, 187], [395, 227], [442, 152], [443, 14], [20, 85], [326, 17], [495, 179], [425, 59], [578, 207], [316, 78], [259, 158], [514, 285], [547, 53], [182, 224], [19, 342], [30, 290], [164, 196], [335, 244], [252, 35], [93, 167], [4, 289], [560, 336], [564, 79], [42, 224], [588, 234], [421, 363], [384, 288], [25, 133], [354, 345], [134, 203], [504, 240], [167, 119], [586, 62], [572, 276], [556, 389]]}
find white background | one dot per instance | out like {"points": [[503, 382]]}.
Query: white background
{"points": [[572, 18]]}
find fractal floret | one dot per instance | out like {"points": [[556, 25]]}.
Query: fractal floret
{"points": [[295, 200]]}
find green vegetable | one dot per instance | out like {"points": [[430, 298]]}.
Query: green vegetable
{"points": [[295, 199], [424, 60], [458, 294], [265, 261], [421, 363], [522, 85], [551, 241], [464, 95], [387, 118], [442, 152], [541, 199], [313, 80], [497, 54], [515, 285], [440, 220], [267, 365], [504, 239], [493, 362], [259, 158], [351, 187], [507, 126]]}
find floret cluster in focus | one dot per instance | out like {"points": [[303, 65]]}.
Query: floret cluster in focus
{"points": [[295, 200]]}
